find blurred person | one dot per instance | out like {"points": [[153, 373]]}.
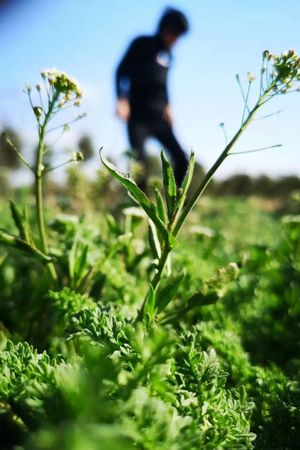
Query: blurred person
{"points": [[142, 94]]}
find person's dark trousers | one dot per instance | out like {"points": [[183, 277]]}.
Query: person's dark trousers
{"points": [[140, 128]]}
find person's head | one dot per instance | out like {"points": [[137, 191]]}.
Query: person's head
{"points": [[172, 25]]}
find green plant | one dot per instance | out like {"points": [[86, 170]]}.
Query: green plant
{"points": [[167, 214], [57, 92]]}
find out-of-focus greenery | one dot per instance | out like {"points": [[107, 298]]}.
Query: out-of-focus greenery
{"points": [[77, 374]]}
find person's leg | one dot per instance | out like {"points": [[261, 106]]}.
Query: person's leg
{"points": [[137, 134], [164, 133]]}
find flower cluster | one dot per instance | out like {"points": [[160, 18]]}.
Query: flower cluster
{"points": [[282, 71], [62, 84]]}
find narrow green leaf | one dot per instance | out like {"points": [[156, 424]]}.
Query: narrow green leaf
{"points": [[80, 264], [150, 303], [189, 175], [17, 243], [72, 258], [153, 241], [184, 188], [18, 219], [138, 195], [160, 206], [170, 187]]}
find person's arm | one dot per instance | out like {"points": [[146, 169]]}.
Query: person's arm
{"points": [[123, 75], [168, 113]]}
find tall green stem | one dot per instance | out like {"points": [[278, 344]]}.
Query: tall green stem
{"points": [[39, 171], [199, 191], [39, 190], [156, 278]]}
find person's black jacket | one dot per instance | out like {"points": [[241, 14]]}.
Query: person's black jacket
{"points": [[142, 75]]}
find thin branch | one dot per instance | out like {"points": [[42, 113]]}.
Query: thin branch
{"points": [[246, 102], [262, 71], [9, 142], [81, 116], [268, 77], [47, 90], [41, 99], [59, 165], [256, 150], [55, 141], [269, 115], [30, 100], [222, 125], [279, 91], [242, 91]]}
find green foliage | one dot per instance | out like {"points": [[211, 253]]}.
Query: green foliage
{"points": [[58, 91], [115, 347], [131, 398], [26, 381], [168, 387]]}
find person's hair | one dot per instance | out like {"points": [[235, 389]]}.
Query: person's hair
{"points": [[173, 21]]}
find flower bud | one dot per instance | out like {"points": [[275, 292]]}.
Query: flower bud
{"points": [[251, 77], [269, 56], [38, 111], [78, 156], [41, 168], [266, 54], [27, 89], [291, 53]]}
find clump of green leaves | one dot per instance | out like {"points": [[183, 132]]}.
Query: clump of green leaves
{"points": [[57, 92], [133, 397], [26, 380]]}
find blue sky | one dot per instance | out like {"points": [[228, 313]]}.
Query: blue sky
{"points": [[87, 38]]}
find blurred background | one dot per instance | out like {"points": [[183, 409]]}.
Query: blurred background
{"points": [[87, 40]]}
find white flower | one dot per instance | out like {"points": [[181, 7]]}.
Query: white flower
{"points": [[251, 77]]}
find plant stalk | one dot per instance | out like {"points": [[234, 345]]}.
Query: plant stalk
{"points": [[178, 222], [201, 188], [39, 171], [156, 279]]}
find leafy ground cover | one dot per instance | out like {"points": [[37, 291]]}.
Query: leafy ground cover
{"points": [[219, 372]]}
